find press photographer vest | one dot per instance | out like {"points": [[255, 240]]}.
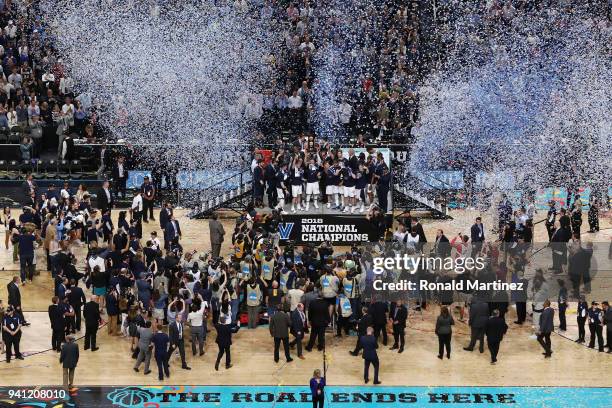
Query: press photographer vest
{"points": [[267, 269], [253, 295], [245, 268], [239, 250], [329, 286], [351, 288], [345, 306], [284, 279]]}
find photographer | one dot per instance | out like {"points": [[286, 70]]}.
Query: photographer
{"points": [[254, 296], [197, 321], [351, 289], [218, 287]]}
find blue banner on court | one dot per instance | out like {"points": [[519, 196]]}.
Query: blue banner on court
{"points": [[300, 397]]}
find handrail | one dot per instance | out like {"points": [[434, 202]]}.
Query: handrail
{"points": [[239, 174], [444, 183]]}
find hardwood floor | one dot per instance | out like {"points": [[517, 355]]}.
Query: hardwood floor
{"points": [[520, 358]]}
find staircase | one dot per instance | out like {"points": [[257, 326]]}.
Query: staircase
{"points": [[413, 192], [232, 192]]}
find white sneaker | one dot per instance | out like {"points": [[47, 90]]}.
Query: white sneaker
{"points": [[316, 205], [307, 207], [284, 212], [328, 205], [346, 209], [361, 209], [293, 211]]}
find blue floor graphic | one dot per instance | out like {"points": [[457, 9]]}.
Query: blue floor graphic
{"points": [[299, 397]]}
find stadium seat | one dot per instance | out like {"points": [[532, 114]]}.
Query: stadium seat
{"points": [[63, 169], [13, 169], [25, 168], [76, 169], [14, 137], [38, 170], [4, 135], [50, 169]]}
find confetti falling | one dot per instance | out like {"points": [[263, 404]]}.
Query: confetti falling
{"points": [[189, 77], [524, 91], [359, 62]]}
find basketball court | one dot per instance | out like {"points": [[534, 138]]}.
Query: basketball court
{"points": [[576, 376]]}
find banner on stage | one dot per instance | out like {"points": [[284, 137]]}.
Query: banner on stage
{"points": [[346, 229]]}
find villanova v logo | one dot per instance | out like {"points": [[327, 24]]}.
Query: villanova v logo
{"points": [[285, 230]]}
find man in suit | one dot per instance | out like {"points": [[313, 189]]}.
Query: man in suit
{"points": [[369, 346], [145, 334], [216, 235], [558, 243], [120, 175], [224, 342], [165, 213], [352, 160], [105, 199], [68, 150], [298, 323], [318, 318], [279, 330], [56, 317], [160, 341], [382, 189], [417, 227], [176, 331], [442, 245], [91, 313], [546, 328], [26, 254], [147, 190], [29, 188], [398, 316], [258, 183], [270, 176], [76, 298], [379, 311], [565, 221], [477, 235], [14, 298], [495, 328], [479, 314], [362, 329], [172, 232], [69, 357]]}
